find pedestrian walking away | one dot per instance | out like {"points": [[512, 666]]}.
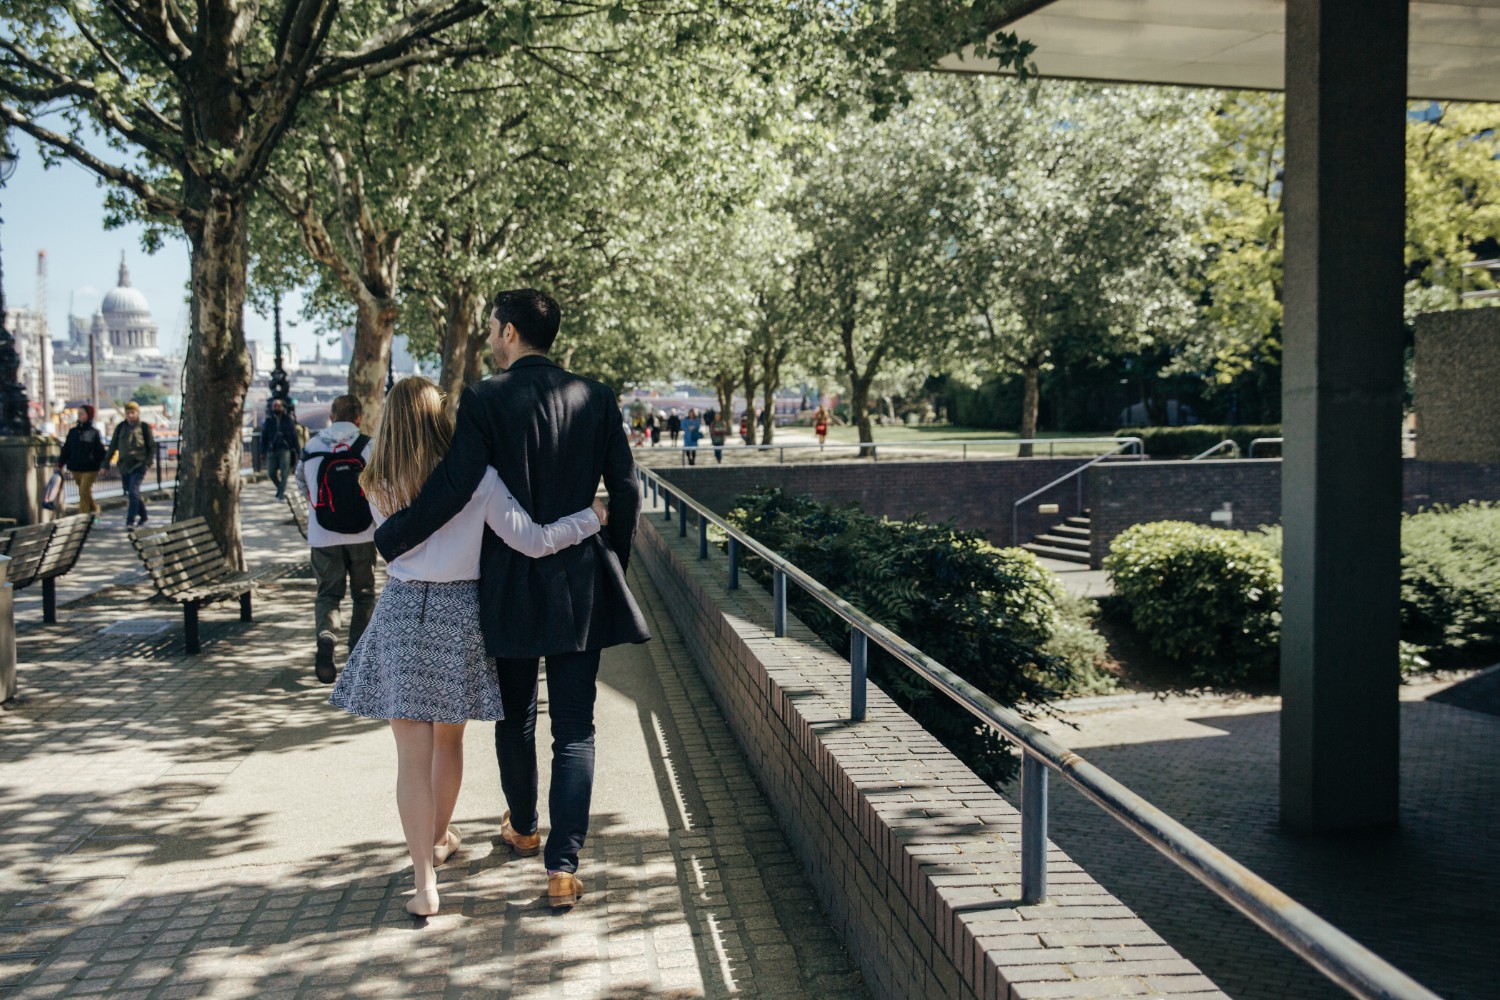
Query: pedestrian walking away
{"points": [[340, 530], [552, 436], [692, 433], [279, 445], [656, 422], [674, 426], [132, 448], [718, 432], [820, 426], [82, 455], [422, 663]]}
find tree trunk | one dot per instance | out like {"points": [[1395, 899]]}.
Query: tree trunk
{"points": [[374, 327], [460, 315], [1031, 400], [749, 381], [724, 385], [216, 374], [859, 411], [474, 364]]}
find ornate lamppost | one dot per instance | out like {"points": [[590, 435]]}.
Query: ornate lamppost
{"points": [[281, 386], [15, 418]]}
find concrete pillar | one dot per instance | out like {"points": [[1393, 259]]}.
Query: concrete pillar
{"points": [[20, 495], [1342, 373]]}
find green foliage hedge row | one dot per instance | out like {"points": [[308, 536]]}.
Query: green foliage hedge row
{"points": [[1205, 598], [985, 613], [1186, 442], [1210, 599]]}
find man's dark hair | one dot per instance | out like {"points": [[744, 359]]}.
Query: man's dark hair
{"points": [[534, 314], [346, 409]]}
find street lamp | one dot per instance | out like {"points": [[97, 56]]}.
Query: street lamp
{"points": [[281, 387], [15, 418]]}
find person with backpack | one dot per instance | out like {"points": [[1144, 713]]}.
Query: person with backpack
{"points": [[340, 528], [279, 444], [135, 447], [82, 454]]}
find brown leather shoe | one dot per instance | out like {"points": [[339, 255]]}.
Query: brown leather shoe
{"points": [[563, 890], [524, 844]]}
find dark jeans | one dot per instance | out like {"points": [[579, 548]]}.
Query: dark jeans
{"points": [[570, 705], [338, 566], [135, 507], [280, 463]]}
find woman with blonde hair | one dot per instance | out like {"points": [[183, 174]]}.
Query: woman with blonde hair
{"points": [[421, 661]]}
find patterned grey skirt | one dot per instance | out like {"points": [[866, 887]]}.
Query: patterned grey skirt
{"points": [[422, 658]]}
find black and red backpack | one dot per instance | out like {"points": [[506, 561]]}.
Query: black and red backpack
{"points": [[340, 505]]}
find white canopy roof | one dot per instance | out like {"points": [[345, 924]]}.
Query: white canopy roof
{"points": [[1453, 53]]}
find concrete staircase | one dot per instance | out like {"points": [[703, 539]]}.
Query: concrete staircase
{"points": [[1068, 541]]}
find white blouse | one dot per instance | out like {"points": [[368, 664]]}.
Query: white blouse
{"points": [[452, 552]]}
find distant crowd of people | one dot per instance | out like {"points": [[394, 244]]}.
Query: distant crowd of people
{"points": [[649, 428]]}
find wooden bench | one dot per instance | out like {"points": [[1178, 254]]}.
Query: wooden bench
{"points": [[298, 504], [188, 566], [45, 552]]}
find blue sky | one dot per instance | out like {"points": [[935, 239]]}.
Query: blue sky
{"points": [[61, 210]]}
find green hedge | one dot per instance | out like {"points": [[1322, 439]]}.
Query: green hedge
{"points": [[1450, 576], [985, 613], [1186, 442], [1207, 599]]}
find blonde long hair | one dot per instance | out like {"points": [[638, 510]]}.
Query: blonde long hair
{"points": [[414, 435]]}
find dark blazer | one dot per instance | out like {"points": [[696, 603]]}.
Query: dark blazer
{"points": [[551, 435]]}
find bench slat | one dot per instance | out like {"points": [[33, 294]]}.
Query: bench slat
{"points": [[67, 544]]}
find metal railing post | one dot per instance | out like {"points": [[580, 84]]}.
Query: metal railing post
{"points": [[859, 668], [682, 519], [666, 504], [655, 493], [1033, 829], [778, 596], [702, 537], [734, 564]]}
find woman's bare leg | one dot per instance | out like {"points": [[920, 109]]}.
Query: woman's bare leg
{"points": [[414, 800], [447, 778]]}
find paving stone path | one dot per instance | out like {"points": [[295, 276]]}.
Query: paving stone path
{"points": [[175, 826], [1425, 896]]}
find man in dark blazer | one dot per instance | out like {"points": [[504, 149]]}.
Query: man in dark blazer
{"points": [[551, 435]]}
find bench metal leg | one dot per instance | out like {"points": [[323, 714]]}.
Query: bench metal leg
{"points": [[245, 607], [190, 627], [49, 601]]}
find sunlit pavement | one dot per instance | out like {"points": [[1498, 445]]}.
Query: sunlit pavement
{"points": [[1425, 896], [175, 826]]}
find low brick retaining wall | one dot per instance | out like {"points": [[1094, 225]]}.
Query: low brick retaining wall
{"points": [[976, 495], [916, 861]]}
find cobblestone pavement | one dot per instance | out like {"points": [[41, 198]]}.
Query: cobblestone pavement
{"points": [[176, 826], [1425, 896]]}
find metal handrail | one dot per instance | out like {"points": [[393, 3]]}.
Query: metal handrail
{"points": [[1015, 508], [1329, 950], [1233, 445], [1251, 452], [873, 447]]}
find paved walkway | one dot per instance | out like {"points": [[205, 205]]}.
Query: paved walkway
{"points": [[176, 826], [1426, 896]]}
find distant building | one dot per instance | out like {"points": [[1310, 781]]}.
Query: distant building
{"points": [[128, 327]]}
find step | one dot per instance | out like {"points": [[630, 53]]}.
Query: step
{"points": [[1062, 542], [1071, 530], [1062, 555], [1078, 522]]}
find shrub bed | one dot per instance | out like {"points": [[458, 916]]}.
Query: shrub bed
{"points": [[987, 614], [1206, 599], [1186, 442]]}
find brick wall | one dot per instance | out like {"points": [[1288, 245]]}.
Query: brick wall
{"points": [[1179, 491], [977, 495], [1121, 495], [916, 861]]}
